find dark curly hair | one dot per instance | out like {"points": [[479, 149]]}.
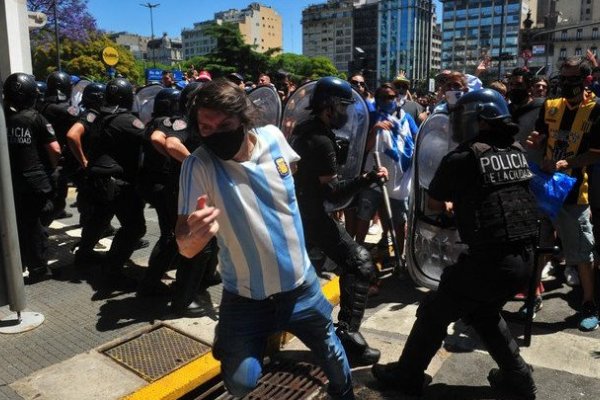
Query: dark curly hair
{"points": [[226, 97]]}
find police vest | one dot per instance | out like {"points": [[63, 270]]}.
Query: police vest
{"points": [[500, 208]]}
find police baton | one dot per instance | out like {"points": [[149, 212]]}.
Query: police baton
{"points": [[533, 284], [388, 210]]}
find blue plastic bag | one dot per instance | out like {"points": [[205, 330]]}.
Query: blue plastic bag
{"points": [[550, 190]]}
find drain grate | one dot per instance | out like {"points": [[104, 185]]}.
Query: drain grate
{"points": [[156, 353], [286, 380]]}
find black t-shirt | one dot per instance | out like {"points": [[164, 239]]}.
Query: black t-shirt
{"points": [[61, 115], [117, 136], [526, 117], [315, 144], [589, 140], [28, 133], [156, 165]]}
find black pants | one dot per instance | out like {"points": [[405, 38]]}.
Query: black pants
{"points": [[33, 236], [128, 206], [475, 289], [164, 200]]}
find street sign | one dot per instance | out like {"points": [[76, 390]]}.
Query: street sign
{"points": [[177, 75], [153, 74], [110, 56]]}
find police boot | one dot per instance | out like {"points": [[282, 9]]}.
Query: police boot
{"points": [[357, 350], [354, 290]]}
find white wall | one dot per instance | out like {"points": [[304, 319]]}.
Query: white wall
{"points": [[15, 53]]}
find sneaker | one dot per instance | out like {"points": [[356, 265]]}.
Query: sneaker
{"points": [[389, 376], [589, 317], [572, 276], [374, 229], [537, 306], [515, 385], [547, 271]]}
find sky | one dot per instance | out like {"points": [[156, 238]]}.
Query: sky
{"points": [[174, 15]]}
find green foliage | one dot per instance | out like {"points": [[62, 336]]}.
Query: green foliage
{"points": [[84, 58]]}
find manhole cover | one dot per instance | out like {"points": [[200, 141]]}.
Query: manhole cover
{"points": [[158, 352]]}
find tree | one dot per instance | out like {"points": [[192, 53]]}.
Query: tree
{"points": [[74, 20]]}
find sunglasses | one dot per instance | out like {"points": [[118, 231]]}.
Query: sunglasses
{"points": [[357, 83], [388, 97]]}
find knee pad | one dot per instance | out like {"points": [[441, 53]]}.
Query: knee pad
{"points": [[361, 263]]}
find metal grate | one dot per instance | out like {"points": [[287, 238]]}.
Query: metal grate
{"points": [[286, 380], [156, 353]]}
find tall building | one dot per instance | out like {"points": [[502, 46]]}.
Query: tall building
{"points": [[404, 43], [561, 30], [137, 44], [365, 32], [259, 25], [474, 30], [436, 44], [327, 31]]}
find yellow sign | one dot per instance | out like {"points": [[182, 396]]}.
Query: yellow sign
{"points": [[110, 56]]}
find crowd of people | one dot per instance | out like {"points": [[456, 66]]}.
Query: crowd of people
{"points": [[234, 195]]}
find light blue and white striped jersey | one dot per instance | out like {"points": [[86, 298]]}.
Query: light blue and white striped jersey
{"points": [[261, 239]]}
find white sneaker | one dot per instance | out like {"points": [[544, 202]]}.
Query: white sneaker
{"points": [[571, 276], [547, 271], [374, 229]]}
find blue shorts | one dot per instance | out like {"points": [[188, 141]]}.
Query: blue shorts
{"points": [[574, 229], [245, 326], [370, 200]]}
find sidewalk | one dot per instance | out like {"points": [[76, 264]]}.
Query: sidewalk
{"points": [[65, 358]]}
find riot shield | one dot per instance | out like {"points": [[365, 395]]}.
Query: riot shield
{"points": [[354, 132], [143, 102], [77, 92], [432, 242], [266, 99]]}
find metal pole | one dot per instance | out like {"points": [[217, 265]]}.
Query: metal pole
{"points": [[151, 7], [56, 37]]}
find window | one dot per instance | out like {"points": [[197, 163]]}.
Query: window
{"points": [[578, 35], [595, 33], [563, 35], [563, 53], [578, 51]]}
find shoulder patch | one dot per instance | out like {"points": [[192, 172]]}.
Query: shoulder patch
{"points": [[74, 111], [137, 123], [282, 166], [167, 122], [90, 117], [50, 129], [179, 125]]}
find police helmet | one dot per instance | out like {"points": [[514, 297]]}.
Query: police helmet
{"points": [[42, 89], [329, 91], [484, 104], [59, 84], [119, 92], [166, 103], [185, 95], [93, 96], [20, 90]]}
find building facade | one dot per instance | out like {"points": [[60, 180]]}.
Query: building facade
{"points": [[365, 32], [259, 25], [485, 29], [404, 44], [327, 31], [165, 50], [436, 44], [137, 44]]}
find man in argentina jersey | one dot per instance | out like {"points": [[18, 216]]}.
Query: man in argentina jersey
{"points": [[238, 186]]}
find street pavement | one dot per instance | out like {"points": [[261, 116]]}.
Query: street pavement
{"points": [[60, 359]]}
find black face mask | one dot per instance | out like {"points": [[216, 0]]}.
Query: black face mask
{"points": [[568, 90], [338, 119], [518, 96], [225, 144]]}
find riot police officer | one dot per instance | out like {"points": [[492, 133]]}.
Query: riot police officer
{"points": [[34, 153], [486, 181], [317, 181], [58, 110], [113, 167]]}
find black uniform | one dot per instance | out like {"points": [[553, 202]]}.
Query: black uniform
{"points": [[113, 167], [62, 116], [487, 180], [316, 145], [28, 133], [198, 273]]}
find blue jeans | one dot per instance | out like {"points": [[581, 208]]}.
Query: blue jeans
{"points": [[245, 325]]}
